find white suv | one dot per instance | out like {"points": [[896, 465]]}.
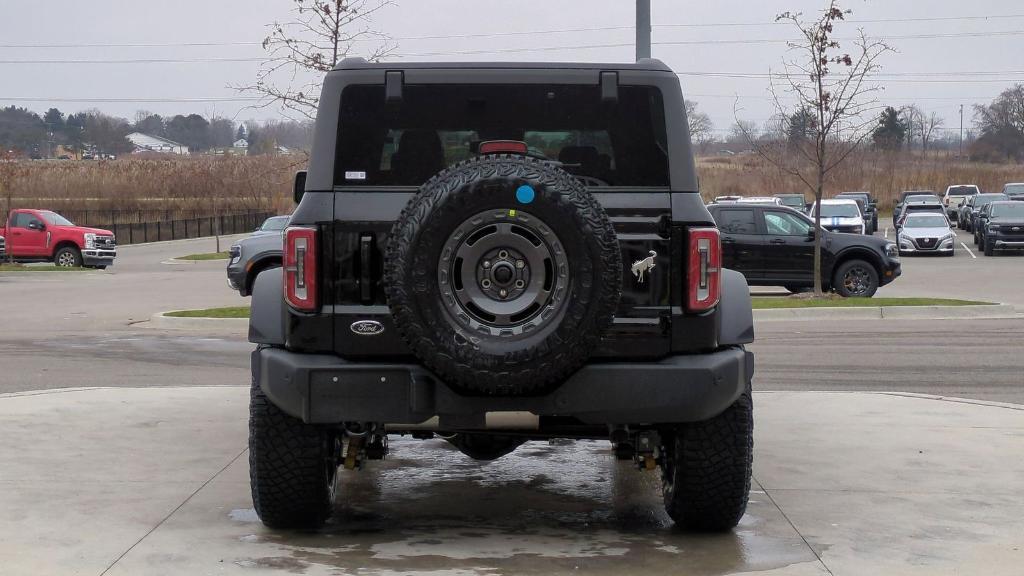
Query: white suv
{"points": [[840, 215]]}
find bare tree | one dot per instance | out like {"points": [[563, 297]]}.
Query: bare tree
{"points": [[834, 85], [929, 127], [322, 33], [914, 119], [700, 125]]}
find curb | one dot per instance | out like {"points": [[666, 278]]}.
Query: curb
{"points": [[160, 320], [887, 313]]}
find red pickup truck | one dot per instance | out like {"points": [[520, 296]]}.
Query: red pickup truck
{"points": [[45, 236]]}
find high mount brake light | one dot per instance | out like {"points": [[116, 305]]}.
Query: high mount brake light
{"points": [[503, 146], [300, 268], [704, 269]]}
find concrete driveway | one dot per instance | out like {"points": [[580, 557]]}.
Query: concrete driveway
{"points": [[154, 481]]}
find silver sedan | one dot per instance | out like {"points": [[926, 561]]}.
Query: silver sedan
{"points": [[926, 232]]}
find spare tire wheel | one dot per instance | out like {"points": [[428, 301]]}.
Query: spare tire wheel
{"points": [[502, 273]]}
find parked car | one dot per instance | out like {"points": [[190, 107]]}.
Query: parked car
{"points": [[274, 225], [870, 208], [774, 246], [3, 249], [840, 216], [509, 296], [954, 197], [795, 201], [862, 205], [918, 204], [926, 232], [1015, 190], [1003, 228], [251, 256], [898, 208], [972, 205], [45, 236]]}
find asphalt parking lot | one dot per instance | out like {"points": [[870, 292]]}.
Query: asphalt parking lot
{"points": [[145, 470]]}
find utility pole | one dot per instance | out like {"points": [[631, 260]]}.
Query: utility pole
{"points": [[643, 29], [960, 154]]}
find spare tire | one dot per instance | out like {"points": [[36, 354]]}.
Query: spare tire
{"points": [[502, 273]]}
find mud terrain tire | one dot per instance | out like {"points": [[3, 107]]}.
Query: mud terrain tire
{"points": [[436, 259]]}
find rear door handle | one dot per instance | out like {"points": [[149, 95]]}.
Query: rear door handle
{"points": [[777, 241], [728, 240]]}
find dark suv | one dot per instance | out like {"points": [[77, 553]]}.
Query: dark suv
{"points": [[774, 246], [1001, 227], [497, 253]]}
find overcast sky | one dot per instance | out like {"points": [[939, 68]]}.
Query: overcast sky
{"points": [[960, 42]]}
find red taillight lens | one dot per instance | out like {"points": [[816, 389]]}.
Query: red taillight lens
{"points": [[704, 269], [300, 268]]}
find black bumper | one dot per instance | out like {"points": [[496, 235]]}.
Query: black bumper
{"points": [[891, 270], [326, 389]]}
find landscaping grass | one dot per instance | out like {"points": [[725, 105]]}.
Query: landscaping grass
{"points": [[207, 256], [229, 312], [39, 268], [766, 302]]}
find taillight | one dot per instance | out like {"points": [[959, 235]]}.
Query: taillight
{"points": [[704, 269], [300, 268]]}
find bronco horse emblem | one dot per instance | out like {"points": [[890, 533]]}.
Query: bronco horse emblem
{"points": [[642, 267]]}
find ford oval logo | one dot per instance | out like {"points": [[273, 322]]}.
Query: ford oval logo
{"points": [[367, 327]]}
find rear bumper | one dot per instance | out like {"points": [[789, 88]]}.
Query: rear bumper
{"points": [[325, 389]]}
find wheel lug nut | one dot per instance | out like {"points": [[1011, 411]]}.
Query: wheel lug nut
{"points": [[487, 263], [520, 264], [503, 292]]}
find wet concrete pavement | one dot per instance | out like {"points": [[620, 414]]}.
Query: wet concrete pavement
{"points": [[154, 481]]}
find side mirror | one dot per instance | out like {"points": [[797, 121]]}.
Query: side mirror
{"points": [[810, 234], [300, 186], [36, 225]]}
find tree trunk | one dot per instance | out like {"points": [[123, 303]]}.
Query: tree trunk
{"points": [[818, 193]]}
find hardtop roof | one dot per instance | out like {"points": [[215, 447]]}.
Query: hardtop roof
{"points": [[647, 64]]}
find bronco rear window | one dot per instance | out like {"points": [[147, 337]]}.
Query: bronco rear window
{"points": [[435, 126]]}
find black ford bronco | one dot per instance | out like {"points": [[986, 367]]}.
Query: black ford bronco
{"points": [[498, 253]]}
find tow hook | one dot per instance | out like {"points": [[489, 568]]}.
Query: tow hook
{"points": [[646, 454], [355, 454]]}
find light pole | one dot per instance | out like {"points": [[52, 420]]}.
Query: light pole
{"points": [[960, 154], [643, 29]]}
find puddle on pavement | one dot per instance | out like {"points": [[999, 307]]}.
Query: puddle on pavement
{"points": [[430, 509]]}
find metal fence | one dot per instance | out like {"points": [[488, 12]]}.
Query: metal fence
{"points": [[138, 226]]}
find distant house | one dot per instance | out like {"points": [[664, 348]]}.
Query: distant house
{"points": [[240, 143], [147, 143]]}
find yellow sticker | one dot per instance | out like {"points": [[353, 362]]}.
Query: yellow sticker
{"points": [[511, 212]]}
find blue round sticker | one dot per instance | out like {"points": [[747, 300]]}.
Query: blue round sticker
{"points": [[525, 194]]}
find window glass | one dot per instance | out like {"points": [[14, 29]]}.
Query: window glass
{"points": [[736, 222], [926, 221], [783, 224], [435, 126], [56, 219], [22, 219], [963, 190], [274, 224], [1013, 189], [1013, 210], [839, 211]]}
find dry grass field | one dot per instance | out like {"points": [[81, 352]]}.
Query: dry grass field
{"points": [[883, 174], [265, 182], [161, 183]]}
